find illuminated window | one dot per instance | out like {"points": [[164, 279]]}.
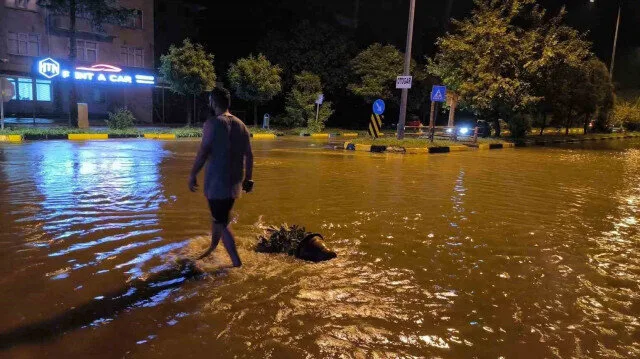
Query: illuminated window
{"points": [[24, 89], [15, 86], [43, 90], [131, 56], [87, 51], [23, 44]]}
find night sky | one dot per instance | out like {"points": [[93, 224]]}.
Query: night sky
{"points": [[233, 29]]}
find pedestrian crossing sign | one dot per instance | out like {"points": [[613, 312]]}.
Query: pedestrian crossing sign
{"points": [[439, 94]]}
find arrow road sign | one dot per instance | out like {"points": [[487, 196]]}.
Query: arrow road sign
{"points": [[378, 107]]}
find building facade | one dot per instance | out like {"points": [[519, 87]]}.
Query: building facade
{"points": [[114, 65]]}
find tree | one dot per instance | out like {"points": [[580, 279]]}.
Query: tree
{"points": [[301, 107], [99, 12], [485, 60], [256, 80], [603, 89], [319, 48], [188, 70], [376, 69], [559, 73]]}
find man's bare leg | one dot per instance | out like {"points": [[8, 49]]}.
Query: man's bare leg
{"points": [[215, 239], [229, 242]]}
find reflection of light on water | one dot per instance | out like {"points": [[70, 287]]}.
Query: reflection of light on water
{"points": [[94, 193]]}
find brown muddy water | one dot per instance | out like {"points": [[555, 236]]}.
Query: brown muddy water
{"points": [[519, 253]]}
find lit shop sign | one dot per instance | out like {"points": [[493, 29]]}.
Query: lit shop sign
{"points": [[100, 73]]}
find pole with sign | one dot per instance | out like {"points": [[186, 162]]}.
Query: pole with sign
{"points": [[7, 91], [319, 102], [375, 124], [438, 94], [407, 62]]}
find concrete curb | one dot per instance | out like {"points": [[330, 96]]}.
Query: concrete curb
{"points": [[10, 138], [329, 135], [160, 136], [495, 146], [87, 136], [263, 136], [390, 149], [539, 142], [105, 136]]}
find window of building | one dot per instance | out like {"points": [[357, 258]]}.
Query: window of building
{"points": [[131, 56], [24, 88], [43, 90], [19, 43], [135, 21], [87, 51], [15, 86]]}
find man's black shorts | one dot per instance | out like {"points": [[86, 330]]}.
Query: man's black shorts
{"points": [[221, 210]]}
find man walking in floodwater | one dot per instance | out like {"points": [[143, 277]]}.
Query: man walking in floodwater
{"points": [[227, 149]]}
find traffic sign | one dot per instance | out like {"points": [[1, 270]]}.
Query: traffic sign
{"points": [[320, 99], [7, 90], [403, 82], [438, 93], [378, 107]]}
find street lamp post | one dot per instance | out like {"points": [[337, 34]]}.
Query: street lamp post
{"points": [[407, 67], [615, 41]]}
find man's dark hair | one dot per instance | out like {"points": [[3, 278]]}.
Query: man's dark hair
{"points": [[221, 97]]}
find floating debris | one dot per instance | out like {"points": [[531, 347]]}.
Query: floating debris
{"points": [[294, 241]]}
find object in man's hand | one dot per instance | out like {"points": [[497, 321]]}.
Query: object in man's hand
{"points": [[247, 186], [295, 241]]}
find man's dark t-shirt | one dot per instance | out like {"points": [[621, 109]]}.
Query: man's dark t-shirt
{"points": [[226, 140]]}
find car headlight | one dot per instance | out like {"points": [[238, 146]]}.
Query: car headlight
{"points": [[464, 131]]}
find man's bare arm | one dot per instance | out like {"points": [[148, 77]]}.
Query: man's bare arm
{"points": [[201, 157], [248, 163]]}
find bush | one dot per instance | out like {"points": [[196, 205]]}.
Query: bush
{"points": [[519, 126], [627, 114], [121, 119]]}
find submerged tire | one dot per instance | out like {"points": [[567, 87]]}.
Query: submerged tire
{"points": [[312, 248]]}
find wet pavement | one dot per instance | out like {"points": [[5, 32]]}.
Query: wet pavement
{"points": [[524, 253]]}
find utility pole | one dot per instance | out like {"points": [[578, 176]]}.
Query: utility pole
{"points": [[615, 41], [407, 65]]}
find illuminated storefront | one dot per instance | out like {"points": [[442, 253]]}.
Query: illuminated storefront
{"points": [[99, 74], [104, 87]]}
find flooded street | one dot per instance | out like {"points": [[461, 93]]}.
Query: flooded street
{"points": [[520, 253]]}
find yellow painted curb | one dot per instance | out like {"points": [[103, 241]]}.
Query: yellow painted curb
{"points": [[508, 145], [483, 146], [88, 136], [458, 148], [160, 136], [349, 135], [364, 148], [320, 135], [264, 136], [417, 150], [10, 138]]}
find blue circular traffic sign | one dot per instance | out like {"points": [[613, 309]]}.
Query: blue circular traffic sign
{"points": [[378, 107]]}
